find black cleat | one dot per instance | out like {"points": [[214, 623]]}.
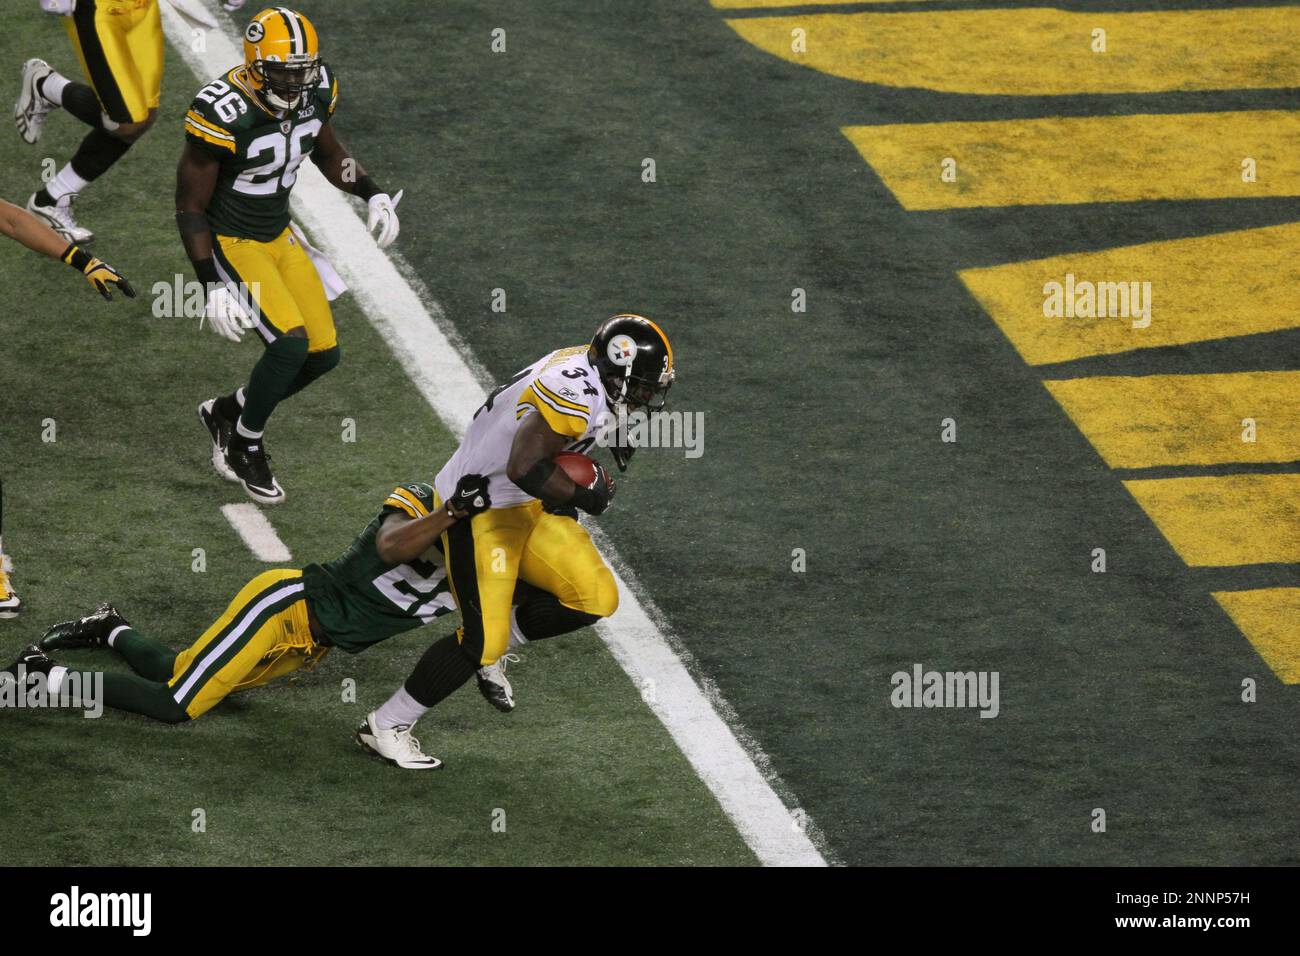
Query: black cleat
{"points": [[220, 428], [252, 467], [89, 631], [32, 660], [494, 687]]}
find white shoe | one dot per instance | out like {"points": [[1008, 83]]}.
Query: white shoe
{"points": [[398, 746], [9, 603], [31, 108], [494, 687], [59, 218]]}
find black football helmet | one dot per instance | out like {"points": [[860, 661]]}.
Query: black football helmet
{"points": [[634, 360]]}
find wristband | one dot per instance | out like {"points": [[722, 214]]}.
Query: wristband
{"points": [[365, 188], [206, 270], [192, 223], [76, 257], [535, 478]]}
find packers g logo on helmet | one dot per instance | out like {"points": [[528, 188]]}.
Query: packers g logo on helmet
{"points": [[282, 54]]}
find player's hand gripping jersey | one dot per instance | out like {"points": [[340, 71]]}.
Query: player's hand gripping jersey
{"points": [[361, 600], [562, 387]]}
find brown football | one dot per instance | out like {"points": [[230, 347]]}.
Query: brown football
{"points": [[578, 467]]}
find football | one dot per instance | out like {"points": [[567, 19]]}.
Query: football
{"points": [[578, 467]]}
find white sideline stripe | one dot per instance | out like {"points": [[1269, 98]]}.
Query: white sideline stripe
{"points": [[257, 531], [414, 331]]}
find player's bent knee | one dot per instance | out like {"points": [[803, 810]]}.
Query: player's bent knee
{"points": [[603, 599], [325, 361], [131, 132]]}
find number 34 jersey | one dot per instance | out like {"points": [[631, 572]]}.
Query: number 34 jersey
{"points": [[562, 387], [360, 599], [259, 152]]}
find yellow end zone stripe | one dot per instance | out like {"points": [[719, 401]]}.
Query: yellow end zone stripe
{"points": [[1226, 520], [1205, 288], [1086, 159], [1150, 420], [1041, 51], [1270, 619]]}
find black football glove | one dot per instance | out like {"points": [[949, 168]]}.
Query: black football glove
{"points": [[470, 497], [595, 498]]}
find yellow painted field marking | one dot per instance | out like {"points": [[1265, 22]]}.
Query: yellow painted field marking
{"points": [[763, 4], [1149, 420], [1270, 618], [1039, 50], [1227, 519], [1088, 159], [1209, 287]]}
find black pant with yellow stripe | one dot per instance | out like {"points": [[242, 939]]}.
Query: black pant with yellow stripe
{"points": [[263, 634]]}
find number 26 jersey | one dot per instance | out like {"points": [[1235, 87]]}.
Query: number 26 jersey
{"points": [[259, 152]]}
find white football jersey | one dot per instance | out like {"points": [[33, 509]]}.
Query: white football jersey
{"points": [[561, 387]]}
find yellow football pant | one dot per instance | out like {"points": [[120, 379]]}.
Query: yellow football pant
{"points": [[120, 45], [263, 634], [284, 286], [488, 554]]}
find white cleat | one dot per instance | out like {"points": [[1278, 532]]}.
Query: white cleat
{"points": [[9, 603], [494, 687], [31, 108], [397, 746], [59, 218]]}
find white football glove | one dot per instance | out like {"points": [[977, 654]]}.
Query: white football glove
{"points": [[383, 213], [226, 315], [63, 8]]}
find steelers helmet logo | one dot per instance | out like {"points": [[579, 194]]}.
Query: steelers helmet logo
{"points": [[621, 350], [255, 32]]}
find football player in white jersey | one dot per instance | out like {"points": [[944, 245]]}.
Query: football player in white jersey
{"points": [[526, 569]]}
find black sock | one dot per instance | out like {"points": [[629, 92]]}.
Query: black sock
{"points": [[79, 100], [228, 406], [317, 364], [443, 668], [541, 615], [269, 383], [97, 152]]}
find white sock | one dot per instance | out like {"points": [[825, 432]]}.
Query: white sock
{"points": [[517, 639], [66, 183], [400, 710], [112, 636], [52, 88], [246, 433], [54, 682]]}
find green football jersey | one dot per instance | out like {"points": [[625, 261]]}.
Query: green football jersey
{"points": [[259, 152], [361, 600]]}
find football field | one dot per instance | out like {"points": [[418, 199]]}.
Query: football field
{"points": [[855, 221]]}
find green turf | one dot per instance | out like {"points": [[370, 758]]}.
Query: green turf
{"points": [[582, 770], [522, 171], [1120, 691]]}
